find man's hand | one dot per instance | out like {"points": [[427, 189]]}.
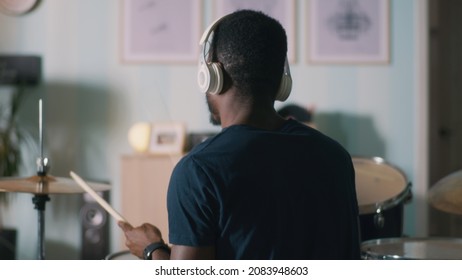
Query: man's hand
{"points": [[137, 238]]}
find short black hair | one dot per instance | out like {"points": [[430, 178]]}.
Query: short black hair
{"points": [[252, 48]]}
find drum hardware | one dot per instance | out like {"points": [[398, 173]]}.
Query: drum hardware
{"points": [[42, 185], [379, 219], [446, 194], [404, 197], [408, 248], [40, 200]]}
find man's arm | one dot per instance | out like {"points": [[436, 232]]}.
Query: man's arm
{"points": [[138, 238]]}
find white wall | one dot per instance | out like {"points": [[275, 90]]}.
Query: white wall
{"points": [[91, 100]]}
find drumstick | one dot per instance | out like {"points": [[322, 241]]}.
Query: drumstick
{"points": [[98, 198]]}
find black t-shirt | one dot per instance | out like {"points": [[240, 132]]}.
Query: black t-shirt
{"points": [[256, 194]]}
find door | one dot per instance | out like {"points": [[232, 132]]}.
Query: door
{"points": [[445, 101]]}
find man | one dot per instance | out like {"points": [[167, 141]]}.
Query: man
{"points": [[264, 187]]}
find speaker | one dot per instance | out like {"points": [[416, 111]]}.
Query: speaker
{"points": [[95, 228], [8, 239], [20, 69], [210, 74]]}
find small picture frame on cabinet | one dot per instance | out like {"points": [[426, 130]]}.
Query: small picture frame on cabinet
{"points": [[168, 138]]}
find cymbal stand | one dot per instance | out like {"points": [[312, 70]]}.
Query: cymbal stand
{"points": [[39, 200]]}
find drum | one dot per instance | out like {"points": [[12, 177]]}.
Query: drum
{"points": [[122, 255], [412, 249], [381, 189]]}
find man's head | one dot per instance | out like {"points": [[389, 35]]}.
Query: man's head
{"points": [[251, 49], [247, 53]]}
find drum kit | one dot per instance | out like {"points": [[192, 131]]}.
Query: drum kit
{"points": [[382, 190]]}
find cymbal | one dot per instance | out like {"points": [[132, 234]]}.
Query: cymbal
{"points": [[46, 185], [446, 194]]}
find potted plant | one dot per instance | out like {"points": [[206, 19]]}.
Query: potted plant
{"points": [[10, 160]]}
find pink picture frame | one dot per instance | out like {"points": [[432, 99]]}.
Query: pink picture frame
{"points": [[348, 31], [160, 30]]}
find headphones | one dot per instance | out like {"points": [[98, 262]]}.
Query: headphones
{"points": [[210, 74]]}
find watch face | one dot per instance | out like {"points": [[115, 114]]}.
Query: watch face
{"points": [[17, 7]]}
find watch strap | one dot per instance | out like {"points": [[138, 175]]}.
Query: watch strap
{"points": [[149, 250]]}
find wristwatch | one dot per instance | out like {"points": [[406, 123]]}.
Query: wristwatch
{"points": [[149, 250]]}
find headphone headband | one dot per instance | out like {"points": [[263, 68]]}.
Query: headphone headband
{"points": [[210, 75], [209, 30]]}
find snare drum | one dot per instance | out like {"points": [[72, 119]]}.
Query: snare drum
{"points": [[412, 249], [381, 190], [122, 255]]}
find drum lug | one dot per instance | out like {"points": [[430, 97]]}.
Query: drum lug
{"points": [[379, 219]]}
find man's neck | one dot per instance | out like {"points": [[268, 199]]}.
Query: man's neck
{"points": [[260, 115]]}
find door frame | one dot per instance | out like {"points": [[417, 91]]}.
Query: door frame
{"points": [[421, 117]]}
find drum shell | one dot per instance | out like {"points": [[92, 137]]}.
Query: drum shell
{"points": [[392, 227], [382, 190]]}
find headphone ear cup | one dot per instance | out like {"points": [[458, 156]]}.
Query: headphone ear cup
{"points": [[216, 78], [210, 78], [284, 88], [203, 77]]}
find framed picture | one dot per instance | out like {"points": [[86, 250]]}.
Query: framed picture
{"points": [[348, 31], [161, 30], [168, 138], [282, 10]]}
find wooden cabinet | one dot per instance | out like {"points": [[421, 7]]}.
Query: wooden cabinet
{"points": [[144, 183]]}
